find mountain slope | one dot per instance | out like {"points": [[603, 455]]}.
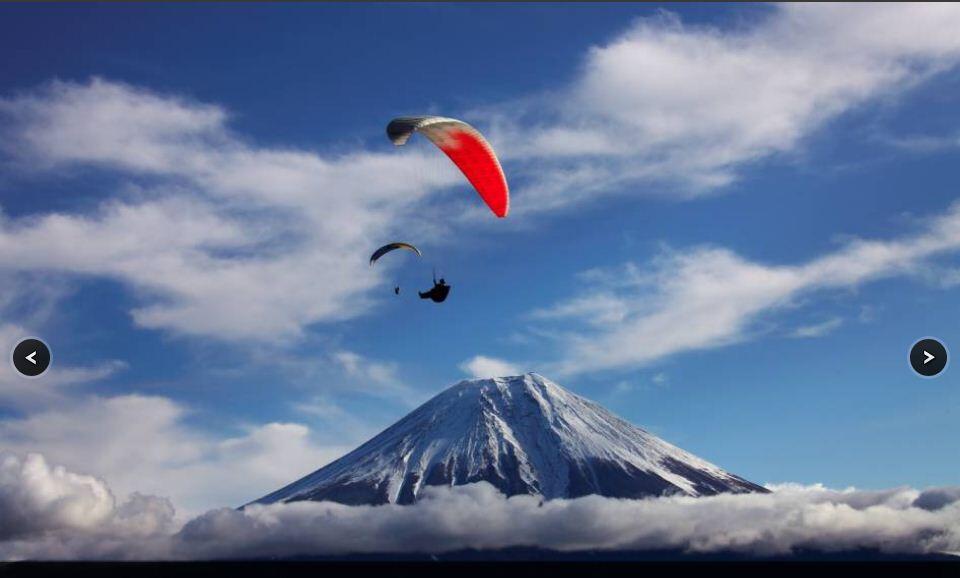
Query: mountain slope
{"points": [[523, 434]]}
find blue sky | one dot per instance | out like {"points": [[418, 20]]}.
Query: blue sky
{"points": [[729, 225]]}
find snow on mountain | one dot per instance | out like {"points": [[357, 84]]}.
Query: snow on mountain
{"points": [[523, 434]]}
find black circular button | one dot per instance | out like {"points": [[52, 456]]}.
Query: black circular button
{"points": [[928, 357], [31, 357]]}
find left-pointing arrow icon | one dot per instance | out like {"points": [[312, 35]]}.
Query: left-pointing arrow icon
{"points": [[31, 357]]}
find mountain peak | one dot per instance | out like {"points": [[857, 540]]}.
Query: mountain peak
{"points": [[524, 434], [529, 377], [507, 383]]}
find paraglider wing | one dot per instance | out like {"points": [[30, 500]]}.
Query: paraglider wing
{"points": [[467, 148], [392, 247]]}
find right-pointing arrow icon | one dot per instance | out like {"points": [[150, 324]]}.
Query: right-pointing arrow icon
{"points": [[928, 357], [31, 359]]}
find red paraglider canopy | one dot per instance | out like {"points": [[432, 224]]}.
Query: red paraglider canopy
{"points": [[467, 148]]}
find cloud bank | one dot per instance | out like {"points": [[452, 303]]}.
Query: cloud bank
{"points": [[51, 513]]}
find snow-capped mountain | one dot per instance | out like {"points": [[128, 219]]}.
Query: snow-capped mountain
{"points": [[523, 434]]}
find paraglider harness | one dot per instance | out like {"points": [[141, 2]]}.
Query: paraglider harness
{"points": [[439, 291]]}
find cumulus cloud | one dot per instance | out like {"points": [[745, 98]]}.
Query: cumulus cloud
{"points": [[150, 444], [59, 514], [708, 297], [481, 366], [50, 512], [37, 497], [666, 102]]}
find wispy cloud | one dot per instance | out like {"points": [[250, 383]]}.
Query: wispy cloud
{"points": [[668, 108], [376, 377], [818, 329], [709, 297], [917, 143], [222, 238], [481, 366], [59, 381]]}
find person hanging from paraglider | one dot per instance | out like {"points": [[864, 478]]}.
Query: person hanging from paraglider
{"points": [[439, 292]]}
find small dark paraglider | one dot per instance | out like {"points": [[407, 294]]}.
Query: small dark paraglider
{"points": [[393, 247], [439, 292]]}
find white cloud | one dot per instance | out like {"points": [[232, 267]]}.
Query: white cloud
{"points": [[37, 496], [868, 314], [922, 143], [52, 513], [818, 329], [479, 517], [691, 105], [49, 511], [148, 444], [708, 297], [657, 381], [219, 237], [481, 367], [382, 374]]}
